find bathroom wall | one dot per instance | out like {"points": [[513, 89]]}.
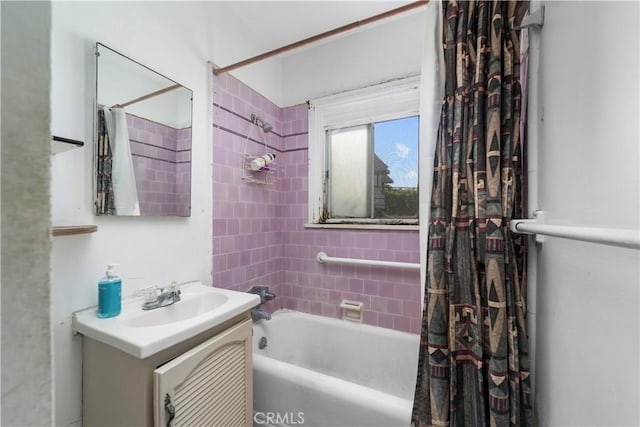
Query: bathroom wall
{"points": [[588, 324], [259, 230], [175, 39], [391, 296], [183, 183], [247, 246], [370, 54], [384, 51], [160, 167]]}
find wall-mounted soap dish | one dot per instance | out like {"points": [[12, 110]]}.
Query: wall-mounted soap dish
{"points": [[352, 310]]}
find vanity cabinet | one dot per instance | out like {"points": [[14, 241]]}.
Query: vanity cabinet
{"points": [[207, 386], [205, 380]]}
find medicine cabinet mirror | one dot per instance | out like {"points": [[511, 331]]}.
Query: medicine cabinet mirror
{"points": [[143, 139]]}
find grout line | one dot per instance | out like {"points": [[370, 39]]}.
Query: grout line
{"points": [[157, 146], [246, 137], [160, 160]]}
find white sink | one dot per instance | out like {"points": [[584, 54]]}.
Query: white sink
{"points": [[191, 305], [142, 333]]}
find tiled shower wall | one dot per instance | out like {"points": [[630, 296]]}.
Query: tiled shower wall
{"points": [[162, 166], [183, 172], [247, 241], [259, 235]]}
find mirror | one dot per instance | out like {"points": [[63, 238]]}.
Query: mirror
{"points": [[143, 140]]}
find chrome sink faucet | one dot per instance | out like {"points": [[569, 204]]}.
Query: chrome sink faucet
{"points": [[155, 297]]}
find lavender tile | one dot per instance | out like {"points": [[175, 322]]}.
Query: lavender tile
{"points": [[269, 242]]}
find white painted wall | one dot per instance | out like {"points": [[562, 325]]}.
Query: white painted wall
{"points": [[378, 52], [587, 295]]}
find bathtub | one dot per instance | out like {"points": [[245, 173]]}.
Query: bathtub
{"points": [[317, 371]]}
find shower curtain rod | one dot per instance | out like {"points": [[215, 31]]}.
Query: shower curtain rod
{"points": [[606, 236], [321, 36], [147, 96]]}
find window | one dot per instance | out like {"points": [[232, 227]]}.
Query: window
{"points": [[363, 156]]}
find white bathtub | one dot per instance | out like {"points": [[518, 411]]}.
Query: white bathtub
{"points": [[317, 371]]}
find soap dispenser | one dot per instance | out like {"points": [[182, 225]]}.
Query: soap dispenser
{"points": [[109, 294]]}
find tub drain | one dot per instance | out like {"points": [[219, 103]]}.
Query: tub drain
{"points": [[262, 343]]}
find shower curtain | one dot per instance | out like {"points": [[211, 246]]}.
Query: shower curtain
{"points": [[125, 192], [473, 362]]}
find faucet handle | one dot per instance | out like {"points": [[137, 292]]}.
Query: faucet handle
{"points": [[149, 294], [173, 287]]}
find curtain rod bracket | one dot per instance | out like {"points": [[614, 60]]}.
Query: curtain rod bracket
{"points": [[538, 218], [535, 20]]}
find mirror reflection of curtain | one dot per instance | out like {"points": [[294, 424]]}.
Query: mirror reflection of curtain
{"points": [[123, 180], [104, 195]]}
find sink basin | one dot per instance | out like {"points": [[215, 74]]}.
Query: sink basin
{"points": [[143, 333], [190, 305]]}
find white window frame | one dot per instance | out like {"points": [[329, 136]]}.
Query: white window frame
{"points": [[387, 101]]}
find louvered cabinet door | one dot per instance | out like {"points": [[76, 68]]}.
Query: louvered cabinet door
{"points": [[210, 385]]}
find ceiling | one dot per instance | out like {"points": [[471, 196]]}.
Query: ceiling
{"points": [[273, 24]]}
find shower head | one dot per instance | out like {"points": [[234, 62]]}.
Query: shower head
{"points": [[266, 127]]}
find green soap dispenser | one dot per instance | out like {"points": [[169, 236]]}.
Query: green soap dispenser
{"points": [[109, 294]]}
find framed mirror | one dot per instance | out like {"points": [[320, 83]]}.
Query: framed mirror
{"points": [[142, 158]]}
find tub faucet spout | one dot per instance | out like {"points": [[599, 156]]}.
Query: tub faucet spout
{"points": [[257, 314], [263, 292]]}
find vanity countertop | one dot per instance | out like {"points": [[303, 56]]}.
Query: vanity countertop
{"points": [[143, 333]]}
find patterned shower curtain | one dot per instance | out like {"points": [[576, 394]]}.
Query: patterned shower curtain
{"points": [[473, 364], [105, 204]]}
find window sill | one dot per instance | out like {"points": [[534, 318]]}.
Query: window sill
{"points": [[388, 227]]}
